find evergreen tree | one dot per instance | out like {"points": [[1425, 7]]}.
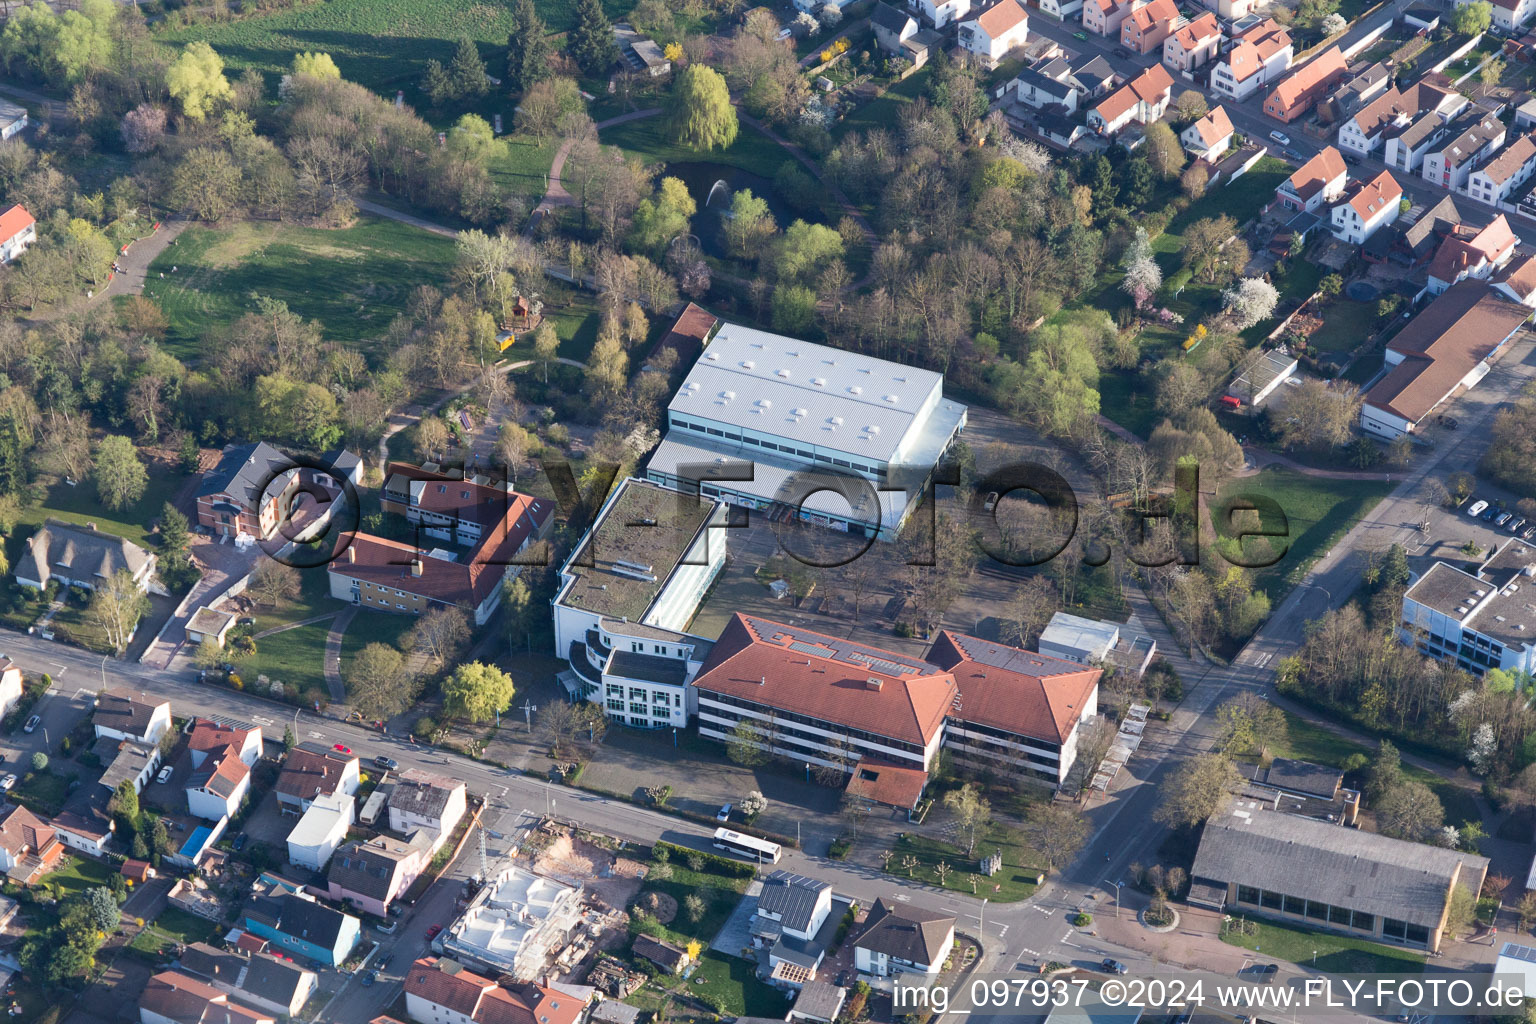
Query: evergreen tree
{"points": [[13, 476], [436, 85], [467, 72], [175, 564], [590, 43], [528, 49]]}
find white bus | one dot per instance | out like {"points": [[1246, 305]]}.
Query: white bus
{"points": [[760, 850]]}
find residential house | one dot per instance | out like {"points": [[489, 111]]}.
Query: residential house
{"points": [[1422, 18], [1209, 137], [1518, 281], [29, 845], [1317, 182], [1450, 344], [1451, 165], [1295, 868], [1059, 129], [83, 824], [389, 575], [1016, 711], [13, 121], [1368, 208], [898, 33], [311, 770], [124, 714], [1063, 10], [300, 925], [1034, 88], [209, 735], [1104, 17], [238, 496], [172, 997], [1193, 44], [17, 231], [1149, 23], [369, 875], [991, 34], [1468, 252], [792, 912], [443, 991], [126, 761], [1394, 112], [1478, 619], [1358, 90], [216, 788], [1142, 100], [899, 938], [1508, 16], [1229, 11], [941, 12], [1496, 181], [1257, 57], [81, 556], [1058, 82], [264, 981], [1417, 243], [1408, 145], [423, 800], [10, 685], [321, 830], [1299, 93]]}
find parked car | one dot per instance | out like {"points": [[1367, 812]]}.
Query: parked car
{"points": [[990, 503], [1477, 509], [1083, 36], [1504, 517], [1281, 137], [725, 813], [7, 782], [32, 723], [165, 775], [1292, 154], [240, 841], [432, 932], [1122, 53], [1528, 533], [368, 978], [383, 964], [1517, 525], [1493, 511], [1109, 966], [387, 763], [342, 748]]}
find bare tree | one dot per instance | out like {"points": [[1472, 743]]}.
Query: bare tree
{"points": [[439, 635], [272, 582], [116, 606]]}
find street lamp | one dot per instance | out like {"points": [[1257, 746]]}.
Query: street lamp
{"points": [[1117, 886]]}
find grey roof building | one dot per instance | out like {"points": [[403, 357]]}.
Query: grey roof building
{"points": [[818, 1002], [1330, 876], [1304, 777], [900, 938], [82, 556], [262, 980], [797, 903]]}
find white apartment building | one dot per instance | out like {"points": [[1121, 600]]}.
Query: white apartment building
{"points": [[1480, 620], [1496, 181]]}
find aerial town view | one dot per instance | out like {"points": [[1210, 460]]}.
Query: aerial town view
{"points": [[823, 511]]}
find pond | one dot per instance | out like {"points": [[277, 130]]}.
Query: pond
{"points": [[712, 186]]}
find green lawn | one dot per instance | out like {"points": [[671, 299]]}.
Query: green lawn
{"points": [[41, 792], [732, 982], [523, 164], [79, 874], [1315, 513], [80, 505], [373, 627], [173, 926], [295, 657], [882, 112], [1015, 882], [1336, 954], [1346, 323], [647, 139], [383, 44], [719, 892], [352, 280]]}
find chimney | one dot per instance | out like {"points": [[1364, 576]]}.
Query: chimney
{"points": [[351, 553], [415, 567]]}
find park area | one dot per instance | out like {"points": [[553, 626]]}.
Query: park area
{"points": [[948, 865], [352, 280], [1327, 951]]}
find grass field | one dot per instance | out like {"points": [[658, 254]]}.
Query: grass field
{"points": [[383, 44], [1336, 954], [881, 113], [731, 980], [352, 280], [373, 627], [41, 792], [79, 874], [1316, 513], [719, 892], [647, 139], [1346, 324], [1015, 882], [173, 926], [79, 505]]}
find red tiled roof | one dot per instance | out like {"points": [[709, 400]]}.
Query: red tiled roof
{"points": [[1521, 275], [888, 784], [308, 773], [1214, 127], [1151, 86], [14, 221], [1198, 31], [208, 735], [1465, 249], [686, 335], [1310, 76], [22, 832], [1372, 197], [1256, 46], [138, 870], [485, 1002], [250, 943], [1442, 345], [221, 773], [185, 999], [1153, 13], [1318, 173], [827, 678], [1020, 692], [1002, 18]]}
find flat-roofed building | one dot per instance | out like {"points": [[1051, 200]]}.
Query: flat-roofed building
{"points": [[1481, 619], [1329, 876], [514, 923], [779, 409], [628, 593]]}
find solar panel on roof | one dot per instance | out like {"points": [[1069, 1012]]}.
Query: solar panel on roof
{"points": [[805, 648], [1515, 952], [890, 668]]}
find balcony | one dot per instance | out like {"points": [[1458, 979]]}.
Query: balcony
{"points": [[582, 665]]}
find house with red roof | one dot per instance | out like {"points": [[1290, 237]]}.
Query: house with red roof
{"points": [[1258, 57], [991, 34], [1104, 17], [442, 991], [1299, 93], [1367, 208], [1142, 100], [208, 736], [1518, 281], [1469, 252], [29, 846], [218, 785], [1209, 137], [1148, 24], [1317, 182], [172, 997], [17, 231], [1193, 44]]}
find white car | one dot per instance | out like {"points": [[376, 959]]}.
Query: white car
{"points": [[725, 813], [1281, 137], [165, 775], [1477, 509], [7, 782]]}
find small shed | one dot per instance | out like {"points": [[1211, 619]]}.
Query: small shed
{"points": [[137, 871], [209, 624]]}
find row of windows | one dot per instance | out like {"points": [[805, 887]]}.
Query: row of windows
{"points": [[640, 714], [772, 446], [778, 718], [639, 648], [1007, 753], [1339, 917], [638, 694], [1004, 734]]}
